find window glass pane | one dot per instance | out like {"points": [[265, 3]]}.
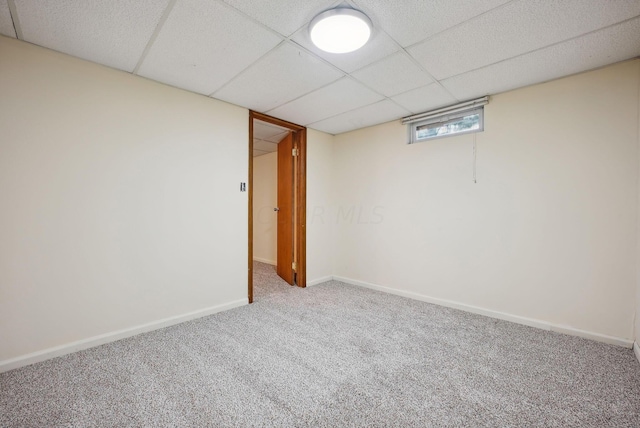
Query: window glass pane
{"points": [[466, 123]]}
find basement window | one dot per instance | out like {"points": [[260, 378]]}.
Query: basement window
{"points": [[445, 122]]}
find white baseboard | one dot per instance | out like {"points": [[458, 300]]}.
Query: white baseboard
{"points": [[261, 260], [319, 280], [612, 340], [493, 314], [90, 342], [636, 350]]}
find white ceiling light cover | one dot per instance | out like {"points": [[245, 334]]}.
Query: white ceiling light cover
{"points": [[340, 30]]}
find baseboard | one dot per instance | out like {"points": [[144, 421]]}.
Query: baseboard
{"points": [[493, 314], [79, 345], [319, 280], [612, 340], [261, 260], [636, 350]]}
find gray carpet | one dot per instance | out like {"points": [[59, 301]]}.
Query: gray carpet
{"points": [[331, 355]]}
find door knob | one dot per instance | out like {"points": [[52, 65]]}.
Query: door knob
{"points": [[276, 209]]}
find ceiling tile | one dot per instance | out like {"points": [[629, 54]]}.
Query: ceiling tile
{"points": [[514, 29], [278, 137], [284, 74], [259, 153], [265, 146], [344, 95], [6, 24], [380, 112], [411, 21], [268, 131], [113, 33], [233, 49], [393, 75], [594, 50], [379, 46], [203, 44], [283, 16], [426, 98], [265, 130]]}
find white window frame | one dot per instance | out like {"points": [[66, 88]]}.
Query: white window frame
{"points": [[446, 119], [444, 116]]}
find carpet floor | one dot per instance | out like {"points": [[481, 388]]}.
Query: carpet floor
{"points": [[331, 355]]}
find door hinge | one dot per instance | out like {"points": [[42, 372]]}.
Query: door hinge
{"points": [[294, 265], [295, 152]]}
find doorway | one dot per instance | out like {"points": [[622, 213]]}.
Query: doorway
{"points": [[268, 134]]}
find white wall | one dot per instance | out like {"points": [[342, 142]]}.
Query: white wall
{"points": [[265, 198], [320, 239], [120, 201], [637, 319], [545, 234]]}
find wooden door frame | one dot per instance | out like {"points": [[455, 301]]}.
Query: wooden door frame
{"points": [[300, 141]]}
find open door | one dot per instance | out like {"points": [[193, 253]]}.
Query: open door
{"points": [[286, 184], [292, 201]]}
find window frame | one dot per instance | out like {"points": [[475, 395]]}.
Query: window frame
{"points": [[444, 119]]}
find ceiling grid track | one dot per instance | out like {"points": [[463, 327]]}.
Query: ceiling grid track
{"points": [[547, 47], [348, 76], [244, 15], [421, 55], [154, 36], [417, 63], [246, 68], [13, 11], [399, 48], [459, 24], [250, 18], [288, 39]]}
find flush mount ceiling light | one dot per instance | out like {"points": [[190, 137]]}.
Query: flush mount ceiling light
{"points": [[340, 30]]}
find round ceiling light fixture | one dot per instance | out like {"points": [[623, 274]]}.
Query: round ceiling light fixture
{"points": [[340, 30]]}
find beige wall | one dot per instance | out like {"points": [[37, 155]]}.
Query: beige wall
{"points": [[265, 198], [546, 233], [121, 210], [120, 204], [120, 201], [637, 319], [320, 240]]}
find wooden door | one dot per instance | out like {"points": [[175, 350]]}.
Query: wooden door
{"points": [[285, 236]]}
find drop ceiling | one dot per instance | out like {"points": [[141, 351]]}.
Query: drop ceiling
{"points": [[257, 54], [266, 137]]}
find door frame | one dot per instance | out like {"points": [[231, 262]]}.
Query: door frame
{"points": [[300, 207]]}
